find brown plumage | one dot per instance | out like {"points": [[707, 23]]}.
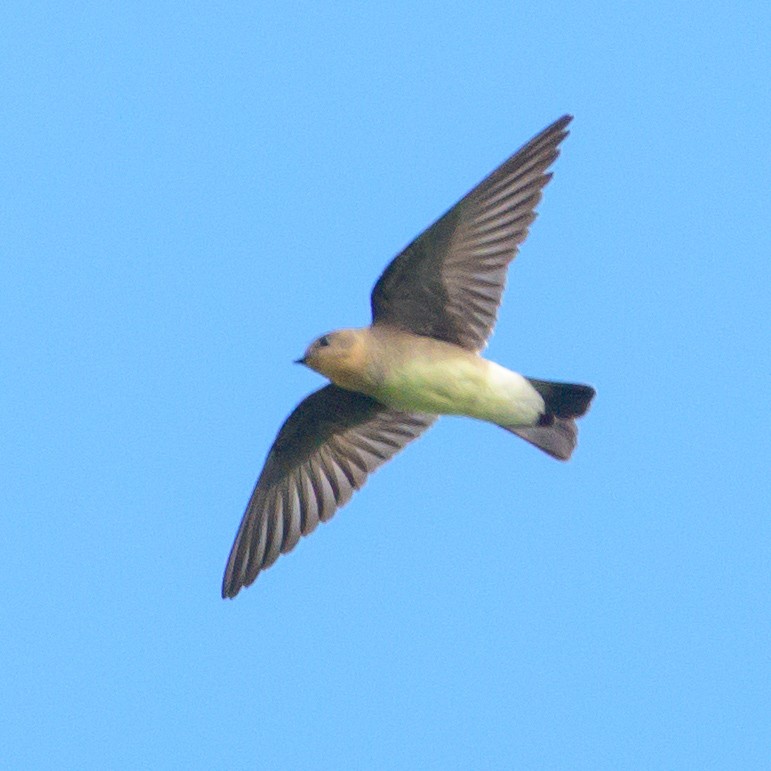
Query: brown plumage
{"points": [[447, 286]]}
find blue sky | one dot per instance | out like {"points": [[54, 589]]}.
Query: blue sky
{"points": [[191, 193]]}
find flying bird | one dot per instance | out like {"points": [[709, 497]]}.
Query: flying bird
{"points": [[433, 309]]}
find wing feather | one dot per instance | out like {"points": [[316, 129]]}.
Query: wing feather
{"points": [[449, 281], [323, 453]]}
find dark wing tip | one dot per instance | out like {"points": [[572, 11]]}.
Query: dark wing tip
{"points": [[230, 587], [552, 136], [235, 580], [560, 124], [323, 453]]}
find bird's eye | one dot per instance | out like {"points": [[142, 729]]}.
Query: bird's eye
{"points": [[323, 341]]}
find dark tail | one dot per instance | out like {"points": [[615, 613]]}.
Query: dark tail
{"points": [[557, 432], [564, 400]]}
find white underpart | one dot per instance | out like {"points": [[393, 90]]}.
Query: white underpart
{"points": [[462, 384]]}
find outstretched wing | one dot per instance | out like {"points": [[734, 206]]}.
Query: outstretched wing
{"points": [[322, 454], [448, 282]]}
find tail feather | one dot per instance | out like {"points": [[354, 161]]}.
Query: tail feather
{"points": [[557, 432], [558, 440], [564, 400]]}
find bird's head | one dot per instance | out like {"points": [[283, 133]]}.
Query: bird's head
{"points": [[341, 356]]}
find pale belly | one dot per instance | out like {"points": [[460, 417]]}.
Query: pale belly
{"points": [[451, 381]]}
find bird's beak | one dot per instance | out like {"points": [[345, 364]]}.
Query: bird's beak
{"points": [[299, 361]]}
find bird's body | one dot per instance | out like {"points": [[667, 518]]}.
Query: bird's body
{"points": [[414, 373], [433, 309]]}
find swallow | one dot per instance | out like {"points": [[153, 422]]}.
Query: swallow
{"points": [[433, 309]]}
